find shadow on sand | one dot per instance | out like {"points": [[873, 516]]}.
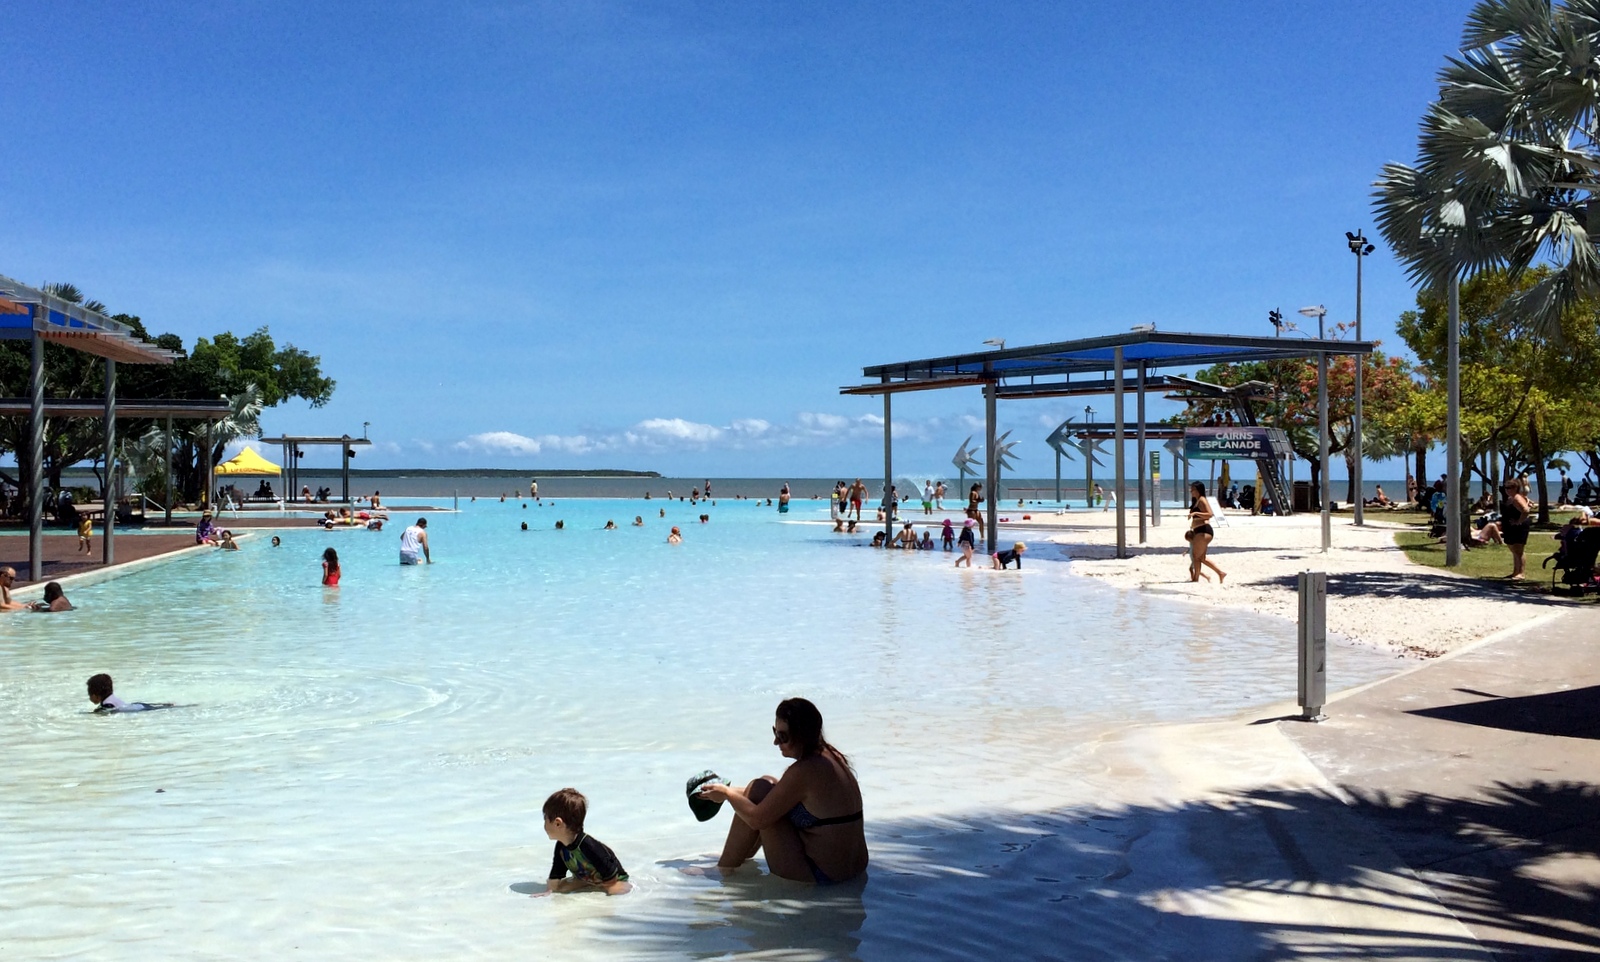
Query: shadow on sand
{"points": [[1261, 875]]}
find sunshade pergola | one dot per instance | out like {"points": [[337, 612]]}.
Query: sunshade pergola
{"points": [[291, 457], [27, 313], [247, 462], [1095, 366]]}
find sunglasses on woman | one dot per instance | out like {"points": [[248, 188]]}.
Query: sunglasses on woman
{"points": [[782, 738]]}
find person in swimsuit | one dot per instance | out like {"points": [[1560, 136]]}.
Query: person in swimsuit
{"points": [[1004, 559], [1200, 534], [968, 541], [590, 861], [974, 506], [414, 542], [808, 821], [1516, 521], [54, 599], [330, 568], [105, 702]]}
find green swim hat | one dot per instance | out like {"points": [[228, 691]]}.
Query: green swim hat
{"points": [[704, 809]]}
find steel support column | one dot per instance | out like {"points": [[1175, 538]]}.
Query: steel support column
{"points": [[1356, 424], [207, 480], [108, 551], [991, 470], [1140, 461], [888, 471], [36, 451], [1322, 449], [1452, 430], [1119, 444], [167, 445]]}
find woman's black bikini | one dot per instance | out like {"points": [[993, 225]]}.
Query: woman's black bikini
{"points": [[800, 818], [1194, 506]]}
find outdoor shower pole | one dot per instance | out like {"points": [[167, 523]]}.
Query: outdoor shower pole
{"points": [[1121, 477], [108, 553]]}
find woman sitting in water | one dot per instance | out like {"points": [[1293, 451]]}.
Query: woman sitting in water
{"points": [[676, 537], [808, 821], [330, 568], [638, 521]]}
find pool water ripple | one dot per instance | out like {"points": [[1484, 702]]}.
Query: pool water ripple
{"points": [[372, 759]]}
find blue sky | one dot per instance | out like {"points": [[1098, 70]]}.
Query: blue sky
{"points": [[661, 236]]}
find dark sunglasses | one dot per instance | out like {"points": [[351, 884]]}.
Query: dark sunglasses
{"points": [[782, 738]]}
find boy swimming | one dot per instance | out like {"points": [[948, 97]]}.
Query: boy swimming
{"points": [[594, 867], [105, 702]]}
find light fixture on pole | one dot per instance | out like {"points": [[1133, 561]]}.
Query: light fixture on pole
{"points": [[998, 343], [364, 426], [1317, 312], [1360, 248]]}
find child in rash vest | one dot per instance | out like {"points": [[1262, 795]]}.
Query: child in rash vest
{"points": [[592, 864]]}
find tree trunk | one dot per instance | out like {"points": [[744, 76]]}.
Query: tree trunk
{"points": [[1422, 468], [1536, 451]]}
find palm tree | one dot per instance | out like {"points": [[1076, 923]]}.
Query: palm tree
{"points": [[1508, 171]]}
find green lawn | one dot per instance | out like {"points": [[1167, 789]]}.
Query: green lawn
{"points": [[1490, 561]]}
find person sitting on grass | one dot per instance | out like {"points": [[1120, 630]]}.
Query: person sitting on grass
{"points": [[592, 864], [105, 702]]}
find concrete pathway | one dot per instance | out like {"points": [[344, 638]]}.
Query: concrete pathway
{"points": [[1480, 772]]}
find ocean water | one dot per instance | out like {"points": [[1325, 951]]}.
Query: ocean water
{"points": [[358, 772]]}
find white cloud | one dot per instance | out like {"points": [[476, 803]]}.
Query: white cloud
{"points": [[500, 442], [661, 431], [809, 428]]}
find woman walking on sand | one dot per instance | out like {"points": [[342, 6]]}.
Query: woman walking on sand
{"points": [[1200, 534]]}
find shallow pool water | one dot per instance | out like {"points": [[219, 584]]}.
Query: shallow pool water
{"points": [[359, 771]]}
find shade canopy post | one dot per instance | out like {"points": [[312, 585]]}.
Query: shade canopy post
{"points": [[36, 455], [1139, 459], [1120, 484], [888, 472], [108, 551], [991, 469], [209, 479], [167, 451]]}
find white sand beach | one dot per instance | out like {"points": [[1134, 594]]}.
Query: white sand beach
{"points": [[1376, 594]]}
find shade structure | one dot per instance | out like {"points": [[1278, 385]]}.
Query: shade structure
{"points": [[248, 462]]}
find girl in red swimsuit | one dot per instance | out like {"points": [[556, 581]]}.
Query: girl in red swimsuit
{"points": [[330, 568]]}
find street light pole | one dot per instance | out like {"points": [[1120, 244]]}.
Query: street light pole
{"points": [[1360, 248]]}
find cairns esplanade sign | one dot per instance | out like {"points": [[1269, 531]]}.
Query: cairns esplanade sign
{"points": [[1235, 444]]}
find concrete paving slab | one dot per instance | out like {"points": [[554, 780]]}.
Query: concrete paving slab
{"points": [[1480, 770]]}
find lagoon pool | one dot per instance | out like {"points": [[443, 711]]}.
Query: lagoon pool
{"points": [[358, 772]]}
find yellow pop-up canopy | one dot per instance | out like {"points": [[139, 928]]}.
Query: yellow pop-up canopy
{"points": [[248, 462]]}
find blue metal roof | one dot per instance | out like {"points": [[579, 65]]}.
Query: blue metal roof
{"points": [[1154, 350]]}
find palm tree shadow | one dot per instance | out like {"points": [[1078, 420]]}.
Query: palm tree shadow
{"points": [[1569, 712], [1423, 585], [1258, 875]]}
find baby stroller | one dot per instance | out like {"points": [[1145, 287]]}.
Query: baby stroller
{"points": [[1575, 560]]}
